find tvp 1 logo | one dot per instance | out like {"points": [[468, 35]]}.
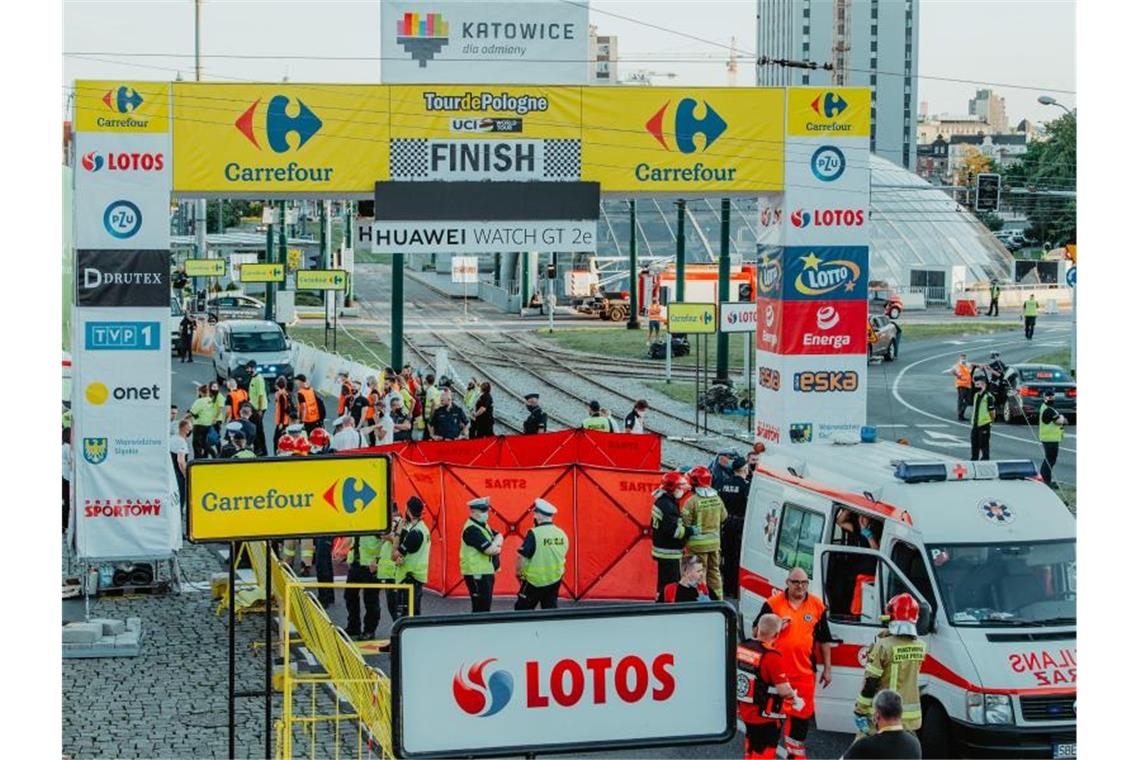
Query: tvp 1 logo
{"points": [[686, 126], [479, 695], [279, 124], [350, 495]]}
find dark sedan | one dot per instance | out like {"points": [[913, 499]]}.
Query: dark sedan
{"points": [[1028, 384]]}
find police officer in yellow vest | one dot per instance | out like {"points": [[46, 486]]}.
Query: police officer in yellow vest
{"points": [[1029, 313], [411, 558], [597, 420], [541, 560], [705, 512], [1050, 432], [981, 418], [479, 555], [893, 663], [369, 561]]}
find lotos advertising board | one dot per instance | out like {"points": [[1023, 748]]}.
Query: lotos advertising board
{"points": [[239, 499], [499, 684], [524, 41], [122, 190], [693, 318], [737, 316]]}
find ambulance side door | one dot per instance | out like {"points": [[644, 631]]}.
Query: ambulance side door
{"points": [[854, 631]]}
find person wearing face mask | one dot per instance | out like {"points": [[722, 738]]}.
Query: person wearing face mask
{"points": [[669, 533], [691, 587], [479, 555]]}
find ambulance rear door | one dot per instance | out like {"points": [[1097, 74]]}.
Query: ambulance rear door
{"points": [[855, 627]]}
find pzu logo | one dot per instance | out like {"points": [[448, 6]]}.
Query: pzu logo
{"points": [[279, 124], [828, 163], [122, 219], [687, 126]]}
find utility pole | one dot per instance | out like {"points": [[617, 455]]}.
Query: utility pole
{"points": [[633, 323], [722, 290], [201, 208], [679, 296], [270, 294], [397, 347]]}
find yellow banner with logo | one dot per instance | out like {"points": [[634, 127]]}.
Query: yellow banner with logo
{"points": [[238, 499], [688, 141], [279, 138], [205, 267], [322, 279], [261, 273], [829, 112], [692, 318], [461, 112], [108, 106]]}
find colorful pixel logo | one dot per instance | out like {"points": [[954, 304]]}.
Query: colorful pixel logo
{"points": [[479, 697], [686, 126], [122, 99], [422, 35], [279, 124], [354, 495]]}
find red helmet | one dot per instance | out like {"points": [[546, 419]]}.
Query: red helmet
{"points": [[671, 481], [903, 608], [700, 476], [301, 444], [319, 437], [285, 444]]}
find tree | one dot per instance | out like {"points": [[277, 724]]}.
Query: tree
{"points": [[974, 162], [1048, 164], [991, 220], [232, 212]]}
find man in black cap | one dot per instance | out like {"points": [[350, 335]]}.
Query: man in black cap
{"points": [[733, 490], [722, 466], [597, 420], [536, 418]]}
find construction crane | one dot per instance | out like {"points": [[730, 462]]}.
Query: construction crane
{"points": [[840, 49], [644, 77], [732, 67]]}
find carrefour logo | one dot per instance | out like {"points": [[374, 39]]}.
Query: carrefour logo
{"points": [[284, 128], [479, 695], [829, 105], [678, 134], [123, 99], [820, 276], [351, 495], [828, 163]]}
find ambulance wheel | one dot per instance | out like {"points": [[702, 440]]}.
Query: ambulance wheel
{"points": [[935, 732]]}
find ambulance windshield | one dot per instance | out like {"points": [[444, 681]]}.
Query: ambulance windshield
{"points": [[1008, 584]]}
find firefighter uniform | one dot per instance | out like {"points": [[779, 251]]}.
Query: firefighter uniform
{"points": [[669, 535], [893, 663], [542, 561], [759, 668], [706, 513]]}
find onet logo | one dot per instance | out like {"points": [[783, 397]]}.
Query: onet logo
{"points": [[687, 126], [350, 495], [92, 161], [829, 105], [478, 696], [122, 99], [279, 124]]}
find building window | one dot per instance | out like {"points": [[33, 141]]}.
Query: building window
{"points": [[874, 29], [874, 63], [807, 13], [874, 46], [874, 80], [807, 30]]}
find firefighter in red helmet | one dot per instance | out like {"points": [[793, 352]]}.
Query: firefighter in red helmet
{"points": [[669, 533], [893, 663]]}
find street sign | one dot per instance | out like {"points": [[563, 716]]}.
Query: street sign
{"points": [[1071, 277], [465, 269], [322, 279], [246, 499], [205, 267], [738, 317], [695, 318], [261, 273]]}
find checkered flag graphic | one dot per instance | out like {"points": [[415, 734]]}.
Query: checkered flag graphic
{"points": [[562, 159], [408, 158]]}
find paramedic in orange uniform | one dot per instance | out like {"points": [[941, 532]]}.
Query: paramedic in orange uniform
{"points": [[805, 626]]}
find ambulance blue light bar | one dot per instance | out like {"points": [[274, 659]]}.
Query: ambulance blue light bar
{"points": [[1016, 469], [920, 472]]}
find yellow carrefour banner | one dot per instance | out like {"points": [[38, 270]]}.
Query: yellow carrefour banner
{"points": [[252, 138], [685, 140], [829, 112], [122, 106], [235, 499], [692, 317]]}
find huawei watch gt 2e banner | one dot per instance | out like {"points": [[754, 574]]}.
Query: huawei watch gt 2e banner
{"points": [[524, 41]]}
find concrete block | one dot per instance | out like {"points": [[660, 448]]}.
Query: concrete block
{"points": [[82, 633], [134, 624], [110, 627], [128, 639]]}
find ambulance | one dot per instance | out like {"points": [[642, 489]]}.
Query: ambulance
{"points": [[987, 549]]}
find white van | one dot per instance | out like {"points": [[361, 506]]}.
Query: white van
{"points": [[987, 549]]}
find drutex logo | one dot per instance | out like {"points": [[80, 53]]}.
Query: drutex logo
{"points": [[821, 276], [678, 134], [282, 127]]}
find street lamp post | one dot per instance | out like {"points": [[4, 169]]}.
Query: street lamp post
{"points": [[1049, 100]]}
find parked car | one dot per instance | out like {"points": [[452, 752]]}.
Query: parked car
{"points": [[238, 341], [1027, 386], [884, 300], [233, 306], [882, 338]]}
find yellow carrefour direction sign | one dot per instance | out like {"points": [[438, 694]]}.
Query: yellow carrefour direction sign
{"points": [[829, 112], [322, 279], [692, 318], [205, 267], [109, 106], [237, 499], [261, 272]]}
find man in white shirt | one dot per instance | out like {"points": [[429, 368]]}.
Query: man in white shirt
{"points": [[346, 436], [179, 456], [635, 420]]}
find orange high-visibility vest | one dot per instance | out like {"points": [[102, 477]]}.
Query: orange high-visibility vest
{"points": [[308, 397], [237, 398], [281, 408], [963, 378], [797, 639]]}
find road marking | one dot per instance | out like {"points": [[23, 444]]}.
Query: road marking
{"points": [[944, 436], [924, 413], [945, 444], [932, 425]]}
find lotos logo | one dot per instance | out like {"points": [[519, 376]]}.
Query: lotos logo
{"points": [[95, 450], [123, 99], [422, 35], [687, 126], [829, 105], [122, 219], [479, 697], [351, 491], [821, 276], [828, 163], [826, 318], [279, 124], [146, 162], [828, 218], [92, 161], [826, 381]]}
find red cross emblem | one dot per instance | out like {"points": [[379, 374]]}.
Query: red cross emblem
{"points": [[960, 470]]}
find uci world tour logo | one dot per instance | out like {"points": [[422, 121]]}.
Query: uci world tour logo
{"points": [[821, 276], [95, 450], [280, 124], [351, 495], [479, 696], [828, 163], [422, 35], [122, 219], [686, 126]]}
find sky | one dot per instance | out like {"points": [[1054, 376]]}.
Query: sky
{"points": [[1031, 43]]}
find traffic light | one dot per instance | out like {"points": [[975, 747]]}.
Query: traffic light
{"points": [[988, 192]]}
